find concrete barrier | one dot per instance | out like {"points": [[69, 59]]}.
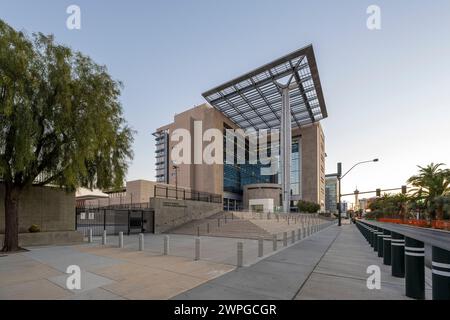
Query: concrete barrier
{"points": [[120, 239], [141, 242], [260, 247], [197, 249], [240, 254], [104, 237], [166, 245], [90, 237]]}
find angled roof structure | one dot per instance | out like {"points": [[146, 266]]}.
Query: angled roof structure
{"points": [[253, 100]]}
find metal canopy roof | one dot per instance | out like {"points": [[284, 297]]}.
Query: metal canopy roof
{"points": [[253, 100]]}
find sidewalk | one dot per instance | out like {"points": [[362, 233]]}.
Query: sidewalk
{"points": [[279, 276], [341, 274], [330, 264]]}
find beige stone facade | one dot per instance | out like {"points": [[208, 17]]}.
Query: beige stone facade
{"points": [[200, 177], [312, 141], [262, 191]]}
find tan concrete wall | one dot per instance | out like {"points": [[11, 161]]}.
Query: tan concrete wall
{"points": [[262, 191], [48, 238], [313, 163], [52, 209], [137, 191], [199, 177], [171, 213]]}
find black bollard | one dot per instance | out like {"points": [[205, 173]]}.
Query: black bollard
{"points": [[414, 268], [375, 239], [398, 255], [371, 230], [441, 274], [387, 248], [380, 242]]}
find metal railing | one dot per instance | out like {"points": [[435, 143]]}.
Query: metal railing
{"points": [[403, 248], [186, 194]]}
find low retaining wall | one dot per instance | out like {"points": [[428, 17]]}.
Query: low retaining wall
{"points": [[52, 209], [48, 238], [171, 213]]}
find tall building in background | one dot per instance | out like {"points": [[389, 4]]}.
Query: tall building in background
{"points": [[331, 193]]}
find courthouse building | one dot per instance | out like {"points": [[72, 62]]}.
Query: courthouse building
{"points": [[287, 88]]}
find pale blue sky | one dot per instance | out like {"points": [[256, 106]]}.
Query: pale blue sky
{"points": [[387, 92]]}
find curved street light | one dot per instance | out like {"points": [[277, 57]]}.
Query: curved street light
{"points": [[339, 181]]}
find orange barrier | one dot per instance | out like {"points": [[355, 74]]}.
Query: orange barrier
{"points": [[441, 224], [436, 224]]}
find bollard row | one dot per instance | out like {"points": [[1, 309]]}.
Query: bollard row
{"points": [[406, 256], [308, 227]]}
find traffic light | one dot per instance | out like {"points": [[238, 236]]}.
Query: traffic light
{"points": [[404, 189], [339, 169], [378, 192]]}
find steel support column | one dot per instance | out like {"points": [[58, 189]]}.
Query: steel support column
{"points": [[286, 149]]}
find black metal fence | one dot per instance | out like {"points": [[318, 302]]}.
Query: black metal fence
{"points": [[183, 194], [114, 220]]}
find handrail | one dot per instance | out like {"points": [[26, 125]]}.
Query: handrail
{"points": [[434, 237]]}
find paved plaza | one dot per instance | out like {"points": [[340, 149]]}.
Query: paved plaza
{"points": [[330, 264]]}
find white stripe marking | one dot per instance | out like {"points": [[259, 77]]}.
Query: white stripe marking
{"points": [[415, 254], [441, 273], [415, 249], [440, 264]]}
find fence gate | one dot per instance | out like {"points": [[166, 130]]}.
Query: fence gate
{"points": [[114, 220]]}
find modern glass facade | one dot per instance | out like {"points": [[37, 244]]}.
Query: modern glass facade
{"points": [[295, 168], [331, 193], [236, 176], [240, 172]]}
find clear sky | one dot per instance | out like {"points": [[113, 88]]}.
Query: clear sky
{"points": [[387, 91]]}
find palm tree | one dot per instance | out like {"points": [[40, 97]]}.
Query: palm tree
{"points": [[431, 182]]}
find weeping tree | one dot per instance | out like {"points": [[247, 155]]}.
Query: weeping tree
{"points": [[61, 122]]}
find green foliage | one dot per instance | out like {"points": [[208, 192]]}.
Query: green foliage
{"points": [[439, 207], [431, 190], [307, 206], [60, 116], [389, 205], [34, 228], [431, 181]]}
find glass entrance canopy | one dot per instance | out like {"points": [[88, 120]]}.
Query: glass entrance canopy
{"points": [[254, 100]]}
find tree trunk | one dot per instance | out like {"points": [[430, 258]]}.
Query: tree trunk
{"points": [[11, 242], [440, 213]]}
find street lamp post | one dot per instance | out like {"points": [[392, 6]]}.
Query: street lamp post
{"points": [[340, 177]]}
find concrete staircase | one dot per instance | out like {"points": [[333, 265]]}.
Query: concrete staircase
{"points": [[244, 225], [231, 227]]}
